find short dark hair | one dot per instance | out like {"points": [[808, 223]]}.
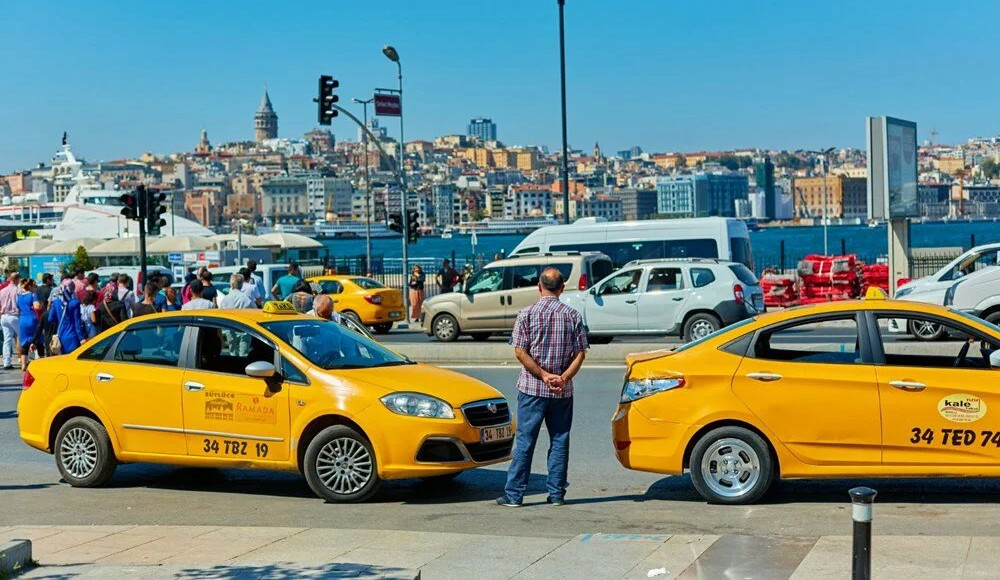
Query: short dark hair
{"points": [[89, 297], [252, 264], [552, 279], [197, 287], [206, 275], [245, 272], [93, 278], [293, 266], [152, 288], [47, 278]]}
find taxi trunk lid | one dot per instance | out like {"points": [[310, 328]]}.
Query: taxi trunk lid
{"points": [[390, 297]]}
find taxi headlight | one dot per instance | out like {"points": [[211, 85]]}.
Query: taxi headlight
{"points": [[418, 405], [639, 388]]}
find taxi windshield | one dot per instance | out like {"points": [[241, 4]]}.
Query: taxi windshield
{"points": [[331, 346]]}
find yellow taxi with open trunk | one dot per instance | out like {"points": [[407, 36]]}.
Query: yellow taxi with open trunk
{"points": [[821, 391], [267, 389]]}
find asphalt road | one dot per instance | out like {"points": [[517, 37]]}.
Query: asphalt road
{"points": [[603, 496]]}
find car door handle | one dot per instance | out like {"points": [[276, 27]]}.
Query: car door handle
{"points": [[193, 386], [908, 386], [765, 377], [630, 301], [678, 299], [105, 377]]}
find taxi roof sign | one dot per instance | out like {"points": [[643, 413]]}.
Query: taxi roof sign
{"points": [[279, 307], [876, 293]]}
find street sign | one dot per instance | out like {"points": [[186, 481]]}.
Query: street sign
{"points": [[388, 105], [190, 256], [175, 257], [212, 255]]}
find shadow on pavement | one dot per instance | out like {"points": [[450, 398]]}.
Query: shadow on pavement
{"points": [[18, 487], [8, 414], [285, 570], [890, 490]]}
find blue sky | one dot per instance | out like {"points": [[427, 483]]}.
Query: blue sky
{"points": [[124, 77]]}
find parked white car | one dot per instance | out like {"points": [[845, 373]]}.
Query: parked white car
{"points": [[976, 270], [692, 297]]}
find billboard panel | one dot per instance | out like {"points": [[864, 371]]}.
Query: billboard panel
{"points": [[901, 165], [388, 105]]}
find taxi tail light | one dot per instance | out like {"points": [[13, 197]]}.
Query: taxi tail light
{"points": [[738, 293], [583, 282], [373, 298], [28, 380], [622, 445]]}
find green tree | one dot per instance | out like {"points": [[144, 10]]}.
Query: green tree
{"points": [[80, 261], [990, 169]]}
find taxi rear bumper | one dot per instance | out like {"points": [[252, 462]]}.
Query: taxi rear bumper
{"points": [[647, 445]]}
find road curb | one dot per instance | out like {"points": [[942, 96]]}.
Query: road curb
{"points": [[503, 354], [15, 555]]}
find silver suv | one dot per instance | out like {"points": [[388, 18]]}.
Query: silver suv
{"points": [[494, 295], [692, 297]]}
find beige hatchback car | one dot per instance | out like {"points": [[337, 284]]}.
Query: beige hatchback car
{"points": [[494, 295]]}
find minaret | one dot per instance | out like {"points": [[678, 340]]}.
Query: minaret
{"points": [[265, 121]]}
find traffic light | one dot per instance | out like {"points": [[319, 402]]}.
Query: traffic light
{"points": [[412, 226], [396, 223], [326, 99], [131, 202], [154, 212]]}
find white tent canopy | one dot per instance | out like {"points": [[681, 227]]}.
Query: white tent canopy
{"points": [[26, 247], [116, 247], [70, 246], [291, 241], [168, 244], [249, 241]]}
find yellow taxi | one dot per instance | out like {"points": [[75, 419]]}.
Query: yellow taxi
{"points": [[364, 300], [267, 389], [816, 392]]}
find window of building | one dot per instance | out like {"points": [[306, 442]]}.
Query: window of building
{"points": [[154, 345]]}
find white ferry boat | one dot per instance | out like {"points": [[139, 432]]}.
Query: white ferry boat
{"points": [[488, 226], [88, 210], [334, 230]]}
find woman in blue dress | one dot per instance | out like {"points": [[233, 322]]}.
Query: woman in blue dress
{"points": [[28, 308], [65, 316]]}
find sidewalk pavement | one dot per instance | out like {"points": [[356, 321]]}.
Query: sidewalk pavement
{"points": [[241, 552]]}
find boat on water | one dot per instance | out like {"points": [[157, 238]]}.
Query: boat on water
{"points": [[496, 227], [89, 209], [333, 230]]}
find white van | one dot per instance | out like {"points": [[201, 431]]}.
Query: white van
{"points": [[624, 242], [104, 273]]}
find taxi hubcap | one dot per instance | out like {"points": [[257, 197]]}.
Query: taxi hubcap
{"points": [[701, 329], [730, 467], [78, 452], [344, 466]]}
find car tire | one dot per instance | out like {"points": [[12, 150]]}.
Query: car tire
{"points": [[353, 316], [928, 331], [599, 339], [340, 466], [383, 328], [731, 465], [84, 454], [480, 336], [700, 325], [994, 318], [445, 328]]}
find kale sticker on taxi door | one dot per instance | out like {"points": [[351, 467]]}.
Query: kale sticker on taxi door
{"points": [[962, 408]]}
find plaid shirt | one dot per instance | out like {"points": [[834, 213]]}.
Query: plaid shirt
{"points": [[552, 334]]}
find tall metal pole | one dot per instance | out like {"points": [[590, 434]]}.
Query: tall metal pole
{"points": [[141, 200], [565, 147], [826, 206], [239, 241], [404, 213], [368, 191]]}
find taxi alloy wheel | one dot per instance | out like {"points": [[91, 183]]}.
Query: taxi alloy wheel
{"points": [[445, 327], [340, 465], [83, 453], [731, 465]]}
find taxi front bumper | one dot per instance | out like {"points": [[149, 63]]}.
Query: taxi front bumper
{"points": [[647, 445], [421, 447]]}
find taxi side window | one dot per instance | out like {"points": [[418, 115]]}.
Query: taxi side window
{"points": [[152, 345], [230, 350], [99, 350], [292, 372], [331, 287], [957, 345], [826, 341]]}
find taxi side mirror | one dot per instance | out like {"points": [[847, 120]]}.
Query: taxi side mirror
{"points": [[995, 359], [260, 369]]}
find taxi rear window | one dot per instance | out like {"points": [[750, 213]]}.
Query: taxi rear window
{"points": [[733, 326]]}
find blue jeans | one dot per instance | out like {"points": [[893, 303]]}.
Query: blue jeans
{"points": [[558, 417]]}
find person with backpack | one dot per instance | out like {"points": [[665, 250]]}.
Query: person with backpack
{"points": [[447, 277], [110, 310], [65, 316]]}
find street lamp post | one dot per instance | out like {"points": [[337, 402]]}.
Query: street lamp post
{"points": [[826, 205], [368, 190], [565, 148], [393, 55]]}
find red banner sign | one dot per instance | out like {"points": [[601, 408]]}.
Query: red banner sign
{"points": [[388, 105]]}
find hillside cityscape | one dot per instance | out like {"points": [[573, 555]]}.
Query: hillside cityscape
{"points": [[474, 180]]}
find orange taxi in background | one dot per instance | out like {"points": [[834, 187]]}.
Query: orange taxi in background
{"points": [[816, 392], [364, 300]]}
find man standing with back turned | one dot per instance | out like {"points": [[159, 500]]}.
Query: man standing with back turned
{"points": [[550, 343]]}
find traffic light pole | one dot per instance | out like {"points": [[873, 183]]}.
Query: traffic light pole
{"points": [[141, 199]]}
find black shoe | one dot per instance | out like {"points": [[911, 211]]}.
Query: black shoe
{"points": [[556, 501], [503, 501], [8, 368]]}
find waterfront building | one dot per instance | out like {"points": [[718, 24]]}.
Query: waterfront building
{"points": [[600, 206], [444, 196], [846, 197], [530, 201], [265, 121], [637, 204], [285, 200], [700, 194], [329, 195], [483, 129], [764, 179]]}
